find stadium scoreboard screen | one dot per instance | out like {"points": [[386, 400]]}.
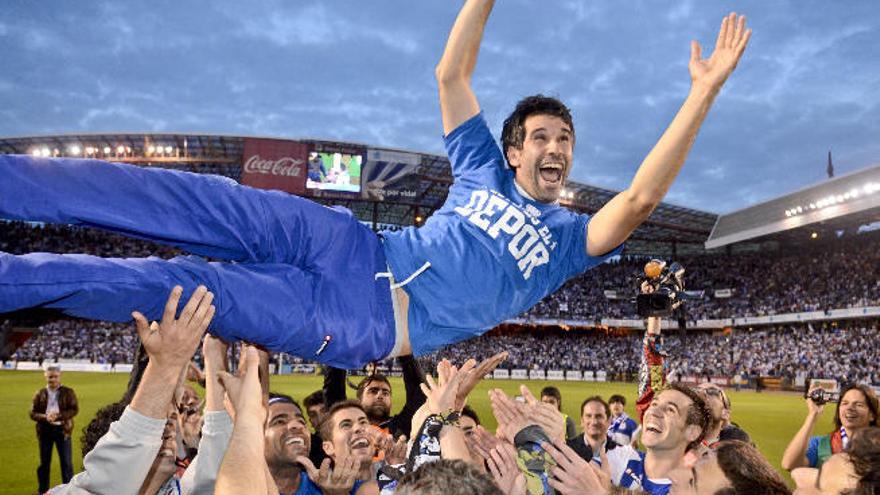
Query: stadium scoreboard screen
{"points": [[334, 171]]}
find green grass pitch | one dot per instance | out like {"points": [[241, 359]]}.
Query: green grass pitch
{"points": [[770, 418]]}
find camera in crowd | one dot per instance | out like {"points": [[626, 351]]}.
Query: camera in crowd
{"points": [[823, 391], [667, 294]]}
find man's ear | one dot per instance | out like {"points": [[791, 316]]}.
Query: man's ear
{"points": [[692, 432], [514, 156], [328, 448]]}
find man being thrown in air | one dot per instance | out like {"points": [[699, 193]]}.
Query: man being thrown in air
{"points": [[313, 281]]}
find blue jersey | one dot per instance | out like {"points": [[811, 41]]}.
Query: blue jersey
{"points": [[308, 487], [628, 471], [493, 252], [623, 429]]}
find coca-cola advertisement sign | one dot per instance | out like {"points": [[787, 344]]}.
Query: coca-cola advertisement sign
{"points": [[275, 164]]}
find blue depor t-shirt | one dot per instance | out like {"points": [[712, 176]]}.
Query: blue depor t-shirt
{"points": [[494, 253]]}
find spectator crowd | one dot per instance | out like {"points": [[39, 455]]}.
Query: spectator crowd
{"points": [[844, 352], [842, 274]]}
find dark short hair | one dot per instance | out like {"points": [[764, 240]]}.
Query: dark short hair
{"points": [[598, 399], [748, 471], [315, 398], [326, 426], [447, 477], [617, 398], [469, 412], [100, 424], [375, 377], [551, 391], [698, 414], [275, 397], [870, 398], [864, 454], [513, 133]]}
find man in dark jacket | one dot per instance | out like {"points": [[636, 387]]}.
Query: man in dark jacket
{"points": [[53, 410], [595, 419]]}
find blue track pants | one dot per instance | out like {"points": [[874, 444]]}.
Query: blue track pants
{"points": [[301, 276]]}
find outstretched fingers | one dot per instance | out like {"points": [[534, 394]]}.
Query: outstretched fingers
{"points": [[722, 35], [194, 300], [171, 304]]}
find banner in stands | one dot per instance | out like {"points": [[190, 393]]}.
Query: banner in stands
{"points": [[610, 294], [501, 374], [519, 374], [274, 164], [723, 293], [335, 170], [391, 175]]}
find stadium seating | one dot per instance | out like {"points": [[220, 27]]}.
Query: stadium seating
{"points": [[837, 276]]}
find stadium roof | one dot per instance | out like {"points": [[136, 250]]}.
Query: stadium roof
{"points": [[844, 202], [670, 230]]}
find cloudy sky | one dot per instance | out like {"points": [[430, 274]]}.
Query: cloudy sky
{"points": [[363, 71]]}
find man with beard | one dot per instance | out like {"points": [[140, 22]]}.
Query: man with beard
{"points": [[286, 259], [858, 408], [286, 438], [720, 427], [374, 394]]}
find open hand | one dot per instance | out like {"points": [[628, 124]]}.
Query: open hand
{"points": [[171, 343], [729, 47], [336, 481]]}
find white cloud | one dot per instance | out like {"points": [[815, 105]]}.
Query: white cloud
{"points": [[314, 25], [607, 78], [114, 118], [680, 11]]}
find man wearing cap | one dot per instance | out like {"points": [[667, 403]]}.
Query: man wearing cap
{"points": [[53, 410]]}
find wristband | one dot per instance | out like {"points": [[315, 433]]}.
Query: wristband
{"points": [[450, 418]]}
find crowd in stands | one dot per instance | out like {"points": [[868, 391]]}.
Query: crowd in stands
{"points": [[839, 275], [846, 352], [96, 341], [23, 238]]}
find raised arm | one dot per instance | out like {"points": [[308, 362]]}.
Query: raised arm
{"points": [[458, 102], [619, 217], [120, 461], [795, 454]]}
